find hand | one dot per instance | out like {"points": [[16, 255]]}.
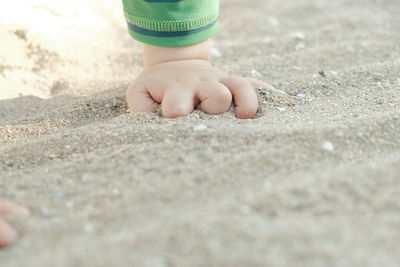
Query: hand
{"points": [[182, 78], [180, 86]]}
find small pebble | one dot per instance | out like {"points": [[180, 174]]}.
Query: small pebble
{"points": [[255, 73], [52, 156], [266, 40], [300, 46], [85, 178], [273, 21], [200, 127], [70, 205], [59, 195], [45, 211], [88, 228], [277, 92], [328, 146], [299, 35], [284, 84], [245, 209], [281, 109], [215, 52], [116, 191], [301, 95], [9, 163]]}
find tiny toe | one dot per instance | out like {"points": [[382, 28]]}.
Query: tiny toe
{"points": [[7, 234], [8, 208]]}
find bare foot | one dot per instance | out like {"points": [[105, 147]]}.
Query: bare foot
{"points": [[7, 233], [182, 78]]}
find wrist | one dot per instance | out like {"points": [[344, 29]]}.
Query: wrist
{"points": [[153, 55]]}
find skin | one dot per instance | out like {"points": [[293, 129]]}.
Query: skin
{"points": [[8, 234], [181, 79]]}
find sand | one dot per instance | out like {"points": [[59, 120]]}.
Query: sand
{"points": [[314, 180]]}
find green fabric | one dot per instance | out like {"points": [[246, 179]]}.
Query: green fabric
{"points": [[165, 23]]}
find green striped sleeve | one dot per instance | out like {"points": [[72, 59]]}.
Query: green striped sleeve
{"points": [[171, 22]]}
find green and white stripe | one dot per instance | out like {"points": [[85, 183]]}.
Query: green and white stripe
{"points": [[171, 22]]}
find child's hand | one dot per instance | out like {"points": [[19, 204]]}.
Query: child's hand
{"points": [[7, 233], [179, 86], [181, 78]]}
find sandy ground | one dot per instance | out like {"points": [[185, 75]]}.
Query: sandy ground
{"points": [[314, 180]]}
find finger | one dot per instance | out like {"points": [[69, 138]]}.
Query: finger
{"points": [[7, 234], [177, 103], [139, 99], [215, 98], [8, 208], [244, 96]]}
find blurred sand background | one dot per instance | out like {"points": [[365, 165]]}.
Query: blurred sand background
{"points": [[314, 180]]}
